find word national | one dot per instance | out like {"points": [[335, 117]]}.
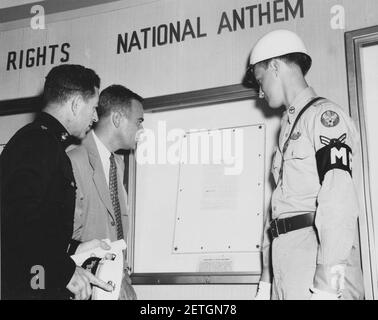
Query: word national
{"points": [[159, 35]]}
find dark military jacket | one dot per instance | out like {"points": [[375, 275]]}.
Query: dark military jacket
{"points": [[37, 212]]}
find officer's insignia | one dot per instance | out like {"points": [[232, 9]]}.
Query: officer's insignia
{"points": [[330, 119], [327, 141], [64, 136], [295, 135], [291, 110], [43, 127]]}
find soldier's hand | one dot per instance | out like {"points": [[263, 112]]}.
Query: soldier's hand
{"points": [[80, 284], [92, 244]]}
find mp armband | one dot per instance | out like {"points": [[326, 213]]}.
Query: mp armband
{"points": [[334, 155]]}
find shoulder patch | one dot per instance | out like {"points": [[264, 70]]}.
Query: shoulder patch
{"points": [[330, 119]]}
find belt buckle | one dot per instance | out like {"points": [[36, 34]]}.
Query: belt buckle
{"points": [[274, 229]]}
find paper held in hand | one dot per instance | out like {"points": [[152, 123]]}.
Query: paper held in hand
{"points": [[106, 265]]}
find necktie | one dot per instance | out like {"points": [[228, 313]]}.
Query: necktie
{"points": [[114, 196]]}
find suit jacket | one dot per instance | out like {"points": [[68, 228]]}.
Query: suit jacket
{"points": [[94, 214]]}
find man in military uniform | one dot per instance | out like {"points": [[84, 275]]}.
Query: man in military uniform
{"points": [[38, 194], [313, 233]]}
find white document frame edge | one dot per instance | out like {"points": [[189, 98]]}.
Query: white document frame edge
{"points": [[173, 102]]}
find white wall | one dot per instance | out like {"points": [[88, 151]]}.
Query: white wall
{"points": [[10, 124], [211, 61]]}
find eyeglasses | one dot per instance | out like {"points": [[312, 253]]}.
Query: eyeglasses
{"points": [[251, 82], [249, 78]]}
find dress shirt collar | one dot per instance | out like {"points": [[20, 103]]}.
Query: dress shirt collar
{"points": [[104, 156], [102, 149]]}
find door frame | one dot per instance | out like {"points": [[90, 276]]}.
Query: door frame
{"points": [[354, 42]]}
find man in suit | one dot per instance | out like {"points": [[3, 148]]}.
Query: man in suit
{"points": [[101, 199]]}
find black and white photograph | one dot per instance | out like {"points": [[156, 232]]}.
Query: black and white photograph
{"points": [[207, 152]]}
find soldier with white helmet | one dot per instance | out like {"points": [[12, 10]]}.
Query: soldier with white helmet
{"points": [[312, 233]]}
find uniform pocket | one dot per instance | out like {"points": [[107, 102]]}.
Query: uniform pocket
{"points": [[298, 150]]}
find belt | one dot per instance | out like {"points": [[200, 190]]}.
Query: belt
{"points": [[282, 226]]}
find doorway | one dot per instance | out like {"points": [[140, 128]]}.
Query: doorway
{"points": [[362, 66]]}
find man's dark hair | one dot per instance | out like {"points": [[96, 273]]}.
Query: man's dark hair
{"points": [[300, 59], [66, 80], [116, 98]]}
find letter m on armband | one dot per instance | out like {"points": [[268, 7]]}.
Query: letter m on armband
{"points": [[334, 155]]}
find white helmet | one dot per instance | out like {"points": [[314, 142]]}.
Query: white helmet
{"points": [[275, 44]]}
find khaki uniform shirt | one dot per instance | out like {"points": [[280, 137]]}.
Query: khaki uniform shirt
{"points": [[298, 188]]}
